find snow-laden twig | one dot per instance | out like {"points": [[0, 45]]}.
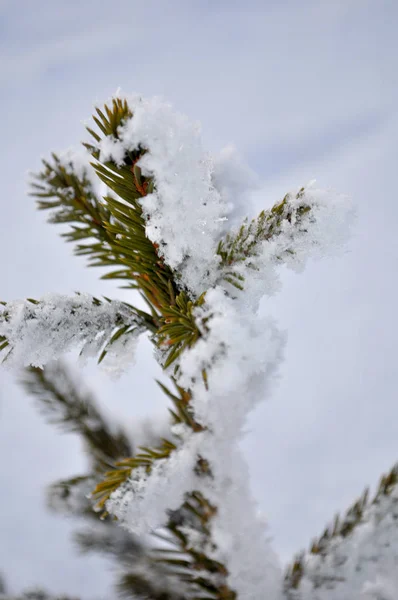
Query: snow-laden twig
{"points": [[360, 564], [34, 332]]}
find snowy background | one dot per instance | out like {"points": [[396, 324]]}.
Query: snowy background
{"points": [[304, 90]]}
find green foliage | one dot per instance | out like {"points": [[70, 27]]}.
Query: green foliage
{"points": [[179, 329], [110, 122], [181, 400]]}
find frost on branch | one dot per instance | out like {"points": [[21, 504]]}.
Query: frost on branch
{"points": [[35, 332]]}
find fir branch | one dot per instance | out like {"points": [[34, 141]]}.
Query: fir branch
{"points": [[329, 572], [113, 231], [128, 227], [113, 479], [182, 412], [244, 245], [70, 496], [149, 584], [109, 539], [37, 331], [63, 402], [189, 538]]}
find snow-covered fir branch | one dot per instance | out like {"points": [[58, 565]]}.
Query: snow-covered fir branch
{"points": [[34, 332], [355, 558], [202, 243]]}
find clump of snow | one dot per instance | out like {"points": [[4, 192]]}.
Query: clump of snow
{"points": [[40, 331], [193, 200]]}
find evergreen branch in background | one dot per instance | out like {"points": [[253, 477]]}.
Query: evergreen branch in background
{"points": [[139, 574], [328, 564], [107, 538], [71, 496], [137, 584], [64, 402]]}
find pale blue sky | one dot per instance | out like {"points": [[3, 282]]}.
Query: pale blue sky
{"points": [[304, 90]]}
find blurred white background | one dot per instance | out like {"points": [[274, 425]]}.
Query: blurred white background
{"points": [[304, 90]]}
